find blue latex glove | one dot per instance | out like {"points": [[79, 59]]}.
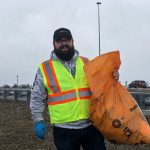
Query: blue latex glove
{"points": [[40, 130]]}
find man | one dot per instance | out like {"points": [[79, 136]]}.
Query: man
{"points": [[62, 81]]}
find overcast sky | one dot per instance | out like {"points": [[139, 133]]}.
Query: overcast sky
{"points": [[27, 26]]}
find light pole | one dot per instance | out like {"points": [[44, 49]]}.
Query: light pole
{"points": [[98, 3], [17, 79]]}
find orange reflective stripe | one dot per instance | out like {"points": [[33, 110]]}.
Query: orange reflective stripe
{"points": [[84, 89], [62, 93], [61, 102], [54, 75], [47, 79], [85, 97]]}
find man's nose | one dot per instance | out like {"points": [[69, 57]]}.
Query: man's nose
{"points": [[63, 42]]}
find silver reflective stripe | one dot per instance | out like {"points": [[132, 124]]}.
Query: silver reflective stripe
{"points": [[85, 93], [63, 97], [51, 77]]}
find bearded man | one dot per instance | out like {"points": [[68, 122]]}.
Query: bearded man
{"points": [[61, 81]]}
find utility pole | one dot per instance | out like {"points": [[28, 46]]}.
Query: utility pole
{"points": [[17, 79], [98, 3]]}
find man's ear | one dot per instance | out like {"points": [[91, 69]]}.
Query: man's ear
{"points": [[72, 41]]}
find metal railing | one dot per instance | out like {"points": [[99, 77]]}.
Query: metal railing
{"points": [[15, 94], [142, 96]]}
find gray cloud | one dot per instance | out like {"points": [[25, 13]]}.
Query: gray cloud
{"points": [[27, 27]]}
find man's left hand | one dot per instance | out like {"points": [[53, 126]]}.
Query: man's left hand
{"points": [[116, 75]]}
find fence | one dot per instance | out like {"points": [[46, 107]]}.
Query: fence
{"points": [[15, 94], [142, 96]]}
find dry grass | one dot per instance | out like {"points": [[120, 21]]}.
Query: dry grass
{"points": [[16, 131]]}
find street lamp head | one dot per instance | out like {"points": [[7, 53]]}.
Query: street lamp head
{"points": [[98, 3]]}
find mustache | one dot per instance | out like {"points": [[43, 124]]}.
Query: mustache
{"points": [[64, 46]]}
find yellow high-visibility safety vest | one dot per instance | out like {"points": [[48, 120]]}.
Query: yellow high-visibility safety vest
{"points": [[68, 97]]}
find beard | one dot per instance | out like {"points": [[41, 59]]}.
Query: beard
{"points": [[65, 55]]}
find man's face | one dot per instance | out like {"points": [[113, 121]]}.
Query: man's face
{"points": [[64, 48], [63, 44]]}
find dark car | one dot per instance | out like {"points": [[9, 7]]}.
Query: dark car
{"points": [[138, 84]]}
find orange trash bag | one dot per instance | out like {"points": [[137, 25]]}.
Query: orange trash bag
{"points": [[113, 111]]}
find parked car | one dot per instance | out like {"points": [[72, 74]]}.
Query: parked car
{"points": [[138, 84]]}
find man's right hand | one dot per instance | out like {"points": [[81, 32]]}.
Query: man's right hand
{"points": [[40, 130]]}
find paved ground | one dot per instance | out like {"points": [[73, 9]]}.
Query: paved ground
{"points": [[16, 131]]}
